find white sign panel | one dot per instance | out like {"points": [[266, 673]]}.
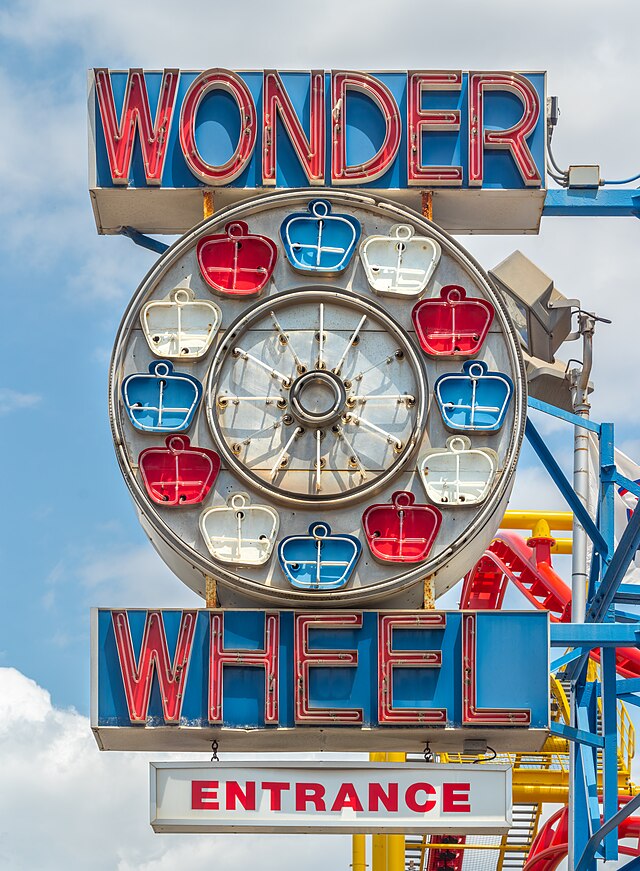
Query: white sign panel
{"points": [[343, 797]]}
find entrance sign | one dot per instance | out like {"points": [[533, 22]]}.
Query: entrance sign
{"points": [[333, 798], [158, 138], [341, 680]]}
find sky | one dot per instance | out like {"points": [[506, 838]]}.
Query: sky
{"points": [[69, 537]]}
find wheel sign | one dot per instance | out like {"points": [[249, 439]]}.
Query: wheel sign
{"points": [[354, 395]]}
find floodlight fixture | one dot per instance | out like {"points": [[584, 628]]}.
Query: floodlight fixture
{"points": [[532, 301], [551, 382]]}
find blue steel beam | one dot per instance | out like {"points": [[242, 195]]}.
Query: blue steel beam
{"points": [[628, 685], [590, 635], [596, 839], [549, 462], [561, 414], [565, 659], [582, 813], [606, 499], [610, 753], [580, 736], [586, 716], [627, 483], [629, 594], [143, 241], [615, 571], [626, 616], [592, 203]]}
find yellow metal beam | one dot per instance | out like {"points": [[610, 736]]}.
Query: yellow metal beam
{"points": [[529, 519], [359, 853], [395, 843], [378, 842]]}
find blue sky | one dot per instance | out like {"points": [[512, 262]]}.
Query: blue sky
{"points": [[69, 537]]}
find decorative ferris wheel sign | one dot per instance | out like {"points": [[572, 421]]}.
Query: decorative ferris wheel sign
{"points": [[474, 138], [318, 402]]}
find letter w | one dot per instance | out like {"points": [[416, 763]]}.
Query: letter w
{"points": [[137, 677], [120, 134]]}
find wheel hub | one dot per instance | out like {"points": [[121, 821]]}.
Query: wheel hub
{"points": [[317, 398]]}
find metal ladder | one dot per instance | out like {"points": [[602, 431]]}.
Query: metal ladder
{"points": [[519, 836]]}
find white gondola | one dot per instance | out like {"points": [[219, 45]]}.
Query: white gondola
{"points": [[240, 533], [400, 264], [180, 326], [458, 474]]}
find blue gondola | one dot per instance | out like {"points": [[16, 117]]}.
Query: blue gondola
{"points": [[317, 241], [320, 560], [163, 400], [474, 400]]}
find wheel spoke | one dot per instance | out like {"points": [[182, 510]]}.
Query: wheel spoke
{"points": [[283, 453], [388, 360], [350, 344], [362, 421], [342, 436], [286, 341], [245, 355]]}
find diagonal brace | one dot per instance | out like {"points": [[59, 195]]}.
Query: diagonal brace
{"points": [[596, 839], [578, 735], [144, 241], [562, 483], [620, 561]]}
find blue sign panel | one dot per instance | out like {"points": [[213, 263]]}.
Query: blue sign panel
{"points": [[184, 129], [361, 673]]}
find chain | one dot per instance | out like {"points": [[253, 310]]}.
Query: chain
{"points": [[214, 751]]}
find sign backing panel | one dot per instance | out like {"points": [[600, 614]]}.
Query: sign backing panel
{"points": [[344, 681], [330, 798], [158, 139]]}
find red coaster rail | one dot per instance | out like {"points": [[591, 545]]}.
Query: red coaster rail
{"points": [[509, 559], [550, 845]]}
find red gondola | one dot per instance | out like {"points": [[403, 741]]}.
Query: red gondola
{"points": [[236, 262], [402, 532], [178, 474], [452, 326]]}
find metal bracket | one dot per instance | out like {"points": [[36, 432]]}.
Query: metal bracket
{"points": [[143, 241]]}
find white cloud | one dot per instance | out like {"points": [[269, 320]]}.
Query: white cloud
{"points": [[64, 804], [135, 576], [15, 400], [118, 575]]}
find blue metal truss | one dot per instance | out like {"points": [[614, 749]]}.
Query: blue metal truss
{"points": [[605, 627], [592, 203]]}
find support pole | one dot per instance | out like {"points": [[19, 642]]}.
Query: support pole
{"points": [[359, 853], [378, 842], [578, 810], [580, 389], [396, 843]]}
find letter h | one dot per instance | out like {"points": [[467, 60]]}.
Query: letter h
{"points": [[267, 658]]}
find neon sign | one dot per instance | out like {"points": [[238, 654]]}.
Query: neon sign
{"points": [[401, 131], [289, 678]]}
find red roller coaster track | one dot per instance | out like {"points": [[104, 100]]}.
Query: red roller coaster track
{"points": [[549, 847], [510, 559]]}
